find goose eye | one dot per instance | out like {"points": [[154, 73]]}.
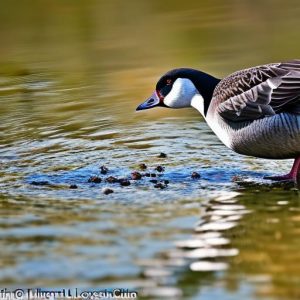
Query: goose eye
{"points": [[169, 81]]}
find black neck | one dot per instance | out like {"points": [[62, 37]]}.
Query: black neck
{"points": [[205, 85]]}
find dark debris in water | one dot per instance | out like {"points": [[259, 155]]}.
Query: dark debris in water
{"points": [[153, 180], [103, 170], [73, 186], [124, 182], [210, 179], [149, 175], [195, 175], [95, 179], [136, 175], [159, 169], [107, 191], [111, 179], [41, 183], [160, 185], [162, 155], [143, 166]]}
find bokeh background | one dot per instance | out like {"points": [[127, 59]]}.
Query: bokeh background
{"points": [[71, 75]]}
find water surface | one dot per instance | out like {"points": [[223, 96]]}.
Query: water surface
{"points": [[71, 75]]}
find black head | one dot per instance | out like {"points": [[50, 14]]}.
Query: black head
{"points": [[176, 88]]}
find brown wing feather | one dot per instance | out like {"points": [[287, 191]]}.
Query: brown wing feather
{"points": [[259, 92]]}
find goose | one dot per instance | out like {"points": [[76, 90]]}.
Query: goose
{"points": [[254, 111]]}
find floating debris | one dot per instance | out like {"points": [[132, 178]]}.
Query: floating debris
{"points": [[73, 186], [111, 179], [136, 175], [153, 181], [160, 186], [107, 191], [40, 183], [162, 155], [95, 179], [159, 169], [103, 170], [195, 175], [149, 175], [124, 182], [142, 166]]}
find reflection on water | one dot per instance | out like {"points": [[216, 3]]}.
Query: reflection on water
{"points": [[206, 251], [248, 263], [71, 75]]}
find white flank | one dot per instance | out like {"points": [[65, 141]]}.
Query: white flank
{"points": [[198, 103], [219, 131]]}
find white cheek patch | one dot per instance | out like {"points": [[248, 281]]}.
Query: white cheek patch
{"points": [[183, 90]]}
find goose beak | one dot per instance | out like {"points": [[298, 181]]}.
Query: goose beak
{"points": [[150, 102]]}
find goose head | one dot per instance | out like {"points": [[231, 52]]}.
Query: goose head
{"points": [[181, 88]]}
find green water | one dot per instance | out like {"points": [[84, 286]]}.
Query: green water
{"points": [[71, 75]]}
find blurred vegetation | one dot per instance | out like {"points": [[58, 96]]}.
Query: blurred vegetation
{"points": [[107, 36]]}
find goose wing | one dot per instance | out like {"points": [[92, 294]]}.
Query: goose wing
{"points": [[259, 92]]}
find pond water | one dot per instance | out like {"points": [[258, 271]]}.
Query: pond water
{"points": [[71, 76]]}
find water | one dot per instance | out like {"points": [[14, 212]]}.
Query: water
{"points": [[71, 75]]}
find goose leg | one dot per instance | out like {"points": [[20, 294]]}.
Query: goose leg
{"points": [[292, 176]]}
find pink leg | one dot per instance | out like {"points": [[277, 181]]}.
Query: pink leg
{"points": [[290, 176]]}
